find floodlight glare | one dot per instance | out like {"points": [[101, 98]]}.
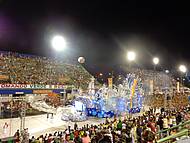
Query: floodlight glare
{"points": [[183, 68], [131, 56], [155, 60], [167, 71], [58, 43], [101, 74]]}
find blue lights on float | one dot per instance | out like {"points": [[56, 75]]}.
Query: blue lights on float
{"points": [[135, 110], [99, 106]]}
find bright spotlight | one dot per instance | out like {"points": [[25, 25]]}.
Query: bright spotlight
{"points": [[81, 60], [101, 74], [155, 60], [167, 71], [131, 56], [183, 68], [58, 43]]}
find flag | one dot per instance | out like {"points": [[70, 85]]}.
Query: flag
{"points": [[110, 82]]}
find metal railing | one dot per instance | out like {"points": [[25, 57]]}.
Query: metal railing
{"points": [[174, 127], [11, 139], [182, 131]]}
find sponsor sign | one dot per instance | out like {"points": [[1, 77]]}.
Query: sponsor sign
{"points": [[42, 91], [4, 77], [29, 91], [14, 91], [31, 86]]}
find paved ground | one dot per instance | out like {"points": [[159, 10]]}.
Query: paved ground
{"points": [[39, 124]]}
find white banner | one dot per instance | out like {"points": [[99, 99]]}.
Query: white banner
{"points": [[31, 86]]}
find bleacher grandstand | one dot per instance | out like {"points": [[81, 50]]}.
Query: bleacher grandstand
{"points": [[164, 88], [18, 68]]}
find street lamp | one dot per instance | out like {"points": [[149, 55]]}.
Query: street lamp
{"points": [[131, 55], [58, 43]]}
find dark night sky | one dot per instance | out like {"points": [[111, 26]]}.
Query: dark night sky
{"points": [[102, 32]]}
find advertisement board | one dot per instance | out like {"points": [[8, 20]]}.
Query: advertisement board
{"points": [[31, 86]]}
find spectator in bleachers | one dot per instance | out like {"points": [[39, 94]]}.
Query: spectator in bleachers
{"points": [[26, 69]]}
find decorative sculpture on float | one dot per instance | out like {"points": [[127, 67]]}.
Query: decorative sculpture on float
{"points": [[91, 88], [126, 97]]}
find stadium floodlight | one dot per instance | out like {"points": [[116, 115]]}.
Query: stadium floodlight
{"points": [[131, 55], [58, 43], [156, 60], [101, 74], [167, 71], [183, 68]]}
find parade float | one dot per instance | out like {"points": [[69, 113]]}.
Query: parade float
{"points": [[107, 101]]}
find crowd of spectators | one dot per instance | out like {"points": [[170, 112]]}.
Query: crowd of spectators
{"points": [[27, 69], [141, 129], [160, 89]]}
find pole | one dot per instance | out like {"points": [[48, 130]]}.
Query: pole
{"points": [[112, 78], [0, 109], [182, 90], [166, 91], [10, 132], [155, 77], [131, 98], [22, 117]]}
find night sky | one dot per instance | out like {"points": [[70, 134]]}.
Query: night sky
{"points": [[102, 32]]}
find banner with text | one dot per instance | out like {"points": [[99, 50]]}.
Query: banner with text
{"points": [[4, 77], [32, 86]]}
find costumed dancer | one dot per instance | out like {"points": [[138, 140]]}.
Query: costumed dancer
{"points": [[5, 129]]}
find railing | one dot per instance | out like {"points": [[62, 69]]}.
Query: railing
{"points": [[169, 129], [182, 132], [8, 139]]}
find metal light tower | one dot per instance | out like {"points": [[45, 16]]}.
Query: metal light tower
{"points": [[58, 43], [183, 70], [155, 62], [131, 56], [22, 114]]}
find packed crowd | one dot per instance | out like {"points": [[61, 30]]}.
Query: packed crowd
{"points": [[142, 129], [27, 69], [160, 89]]}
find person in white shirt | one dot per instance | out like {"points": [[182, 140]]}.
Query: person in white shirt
{"points": [[123, 126], [165, 125], [174, 121], [170, 124]]}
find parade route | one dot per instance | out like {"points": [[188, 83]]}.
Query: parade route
{"points": [[39, 124]]}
